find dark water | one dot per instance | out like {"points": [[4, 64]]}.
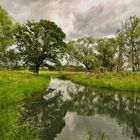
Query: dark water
{"points": [[66, 111]]}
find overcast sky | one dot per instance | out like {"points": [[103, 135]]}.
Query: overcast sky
{"points": [[77, 18]]}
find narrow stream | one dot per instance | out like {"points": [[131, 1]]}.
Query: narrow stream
{"points": [[67, 111]]}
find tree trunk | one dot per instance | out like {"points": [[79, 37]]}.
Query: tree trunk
{"points": [[37, 69], [133, 68], [133, 60], [87, 67]]}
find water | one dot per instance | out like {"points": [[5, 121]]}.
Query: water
{"points": [[67, 111]]}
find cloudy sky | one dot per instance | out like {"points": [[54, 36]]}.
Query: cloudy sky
{"points": [[77, 18]]}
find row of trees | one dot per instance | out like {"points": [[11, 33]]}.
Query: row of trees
{"points": [[42, 43], [117, 53]]}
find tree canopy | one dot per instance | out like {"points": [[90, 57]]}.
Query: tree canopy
{"points": [[118, 53], [39, 42], [106, 52], [130, 32], [82, 50], [6, 34]]}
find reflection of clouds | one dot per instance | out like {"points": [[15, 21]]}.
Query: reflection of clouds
{"points": [[65, 87], [40, 115], [70, 121], [85, 101], [75, 110], [77, 127]]}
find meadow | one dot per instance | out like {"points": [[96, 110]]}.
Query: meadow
{"points": [[125, 81], [14, 87]]}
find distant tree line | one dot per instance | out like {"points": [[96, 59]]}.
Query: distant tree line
{"points": [[39, 44], [112, 54]]}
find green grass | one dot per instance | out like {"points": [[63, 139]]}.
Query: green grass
{"points": [[14, 87], [117, 81], [90, 136]]}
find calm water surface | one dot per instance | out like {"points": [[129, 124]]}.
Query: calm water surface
{"points": [[67, 111]]}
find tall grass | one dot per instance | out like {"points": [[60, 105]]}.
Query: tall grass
{"points": [[14, 87], [128, 81], [90, 136]]}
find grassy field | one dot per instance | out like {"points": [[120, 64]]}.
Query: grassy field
{"points": [[128, 81], [14, 87]]}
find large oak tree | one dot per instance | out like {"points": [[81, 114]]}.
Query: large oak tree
{"points": [[39, 42]]}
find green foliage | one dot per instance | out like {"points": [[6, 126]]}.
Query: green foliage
{"points": [[6, 34], [101, 69], [90, 136], [82, 50], [119, 53], [12, 58], [106, 52], [92, 53], [130, 39], [72, 68], [40, 41]]}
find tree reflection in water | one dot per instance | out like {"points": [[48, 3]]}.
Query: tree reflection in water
{"points": [[46, 115], [48, 111]]}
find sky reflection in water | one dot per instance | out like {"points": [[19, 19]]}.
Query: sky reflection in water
{"points": [[67, 111]]}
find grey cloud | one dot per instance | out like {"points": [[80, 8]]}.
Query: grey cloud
{"points": [[39, 8], [98, 20], [60, 11], [104, 19]]}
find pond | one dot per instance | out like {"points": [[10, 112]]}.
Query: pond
{"points": [[67, 111]]}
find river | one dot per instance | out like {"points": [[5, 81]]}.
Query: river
{"points": [[67, 111]]}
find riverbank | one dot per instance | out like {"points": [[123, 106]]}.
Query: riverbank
{"points": [[14, 87], [126, 81]]}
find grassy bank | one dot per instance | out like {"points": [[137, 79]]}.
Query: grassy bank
{"points": [[117, 81], [14, 87]]}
